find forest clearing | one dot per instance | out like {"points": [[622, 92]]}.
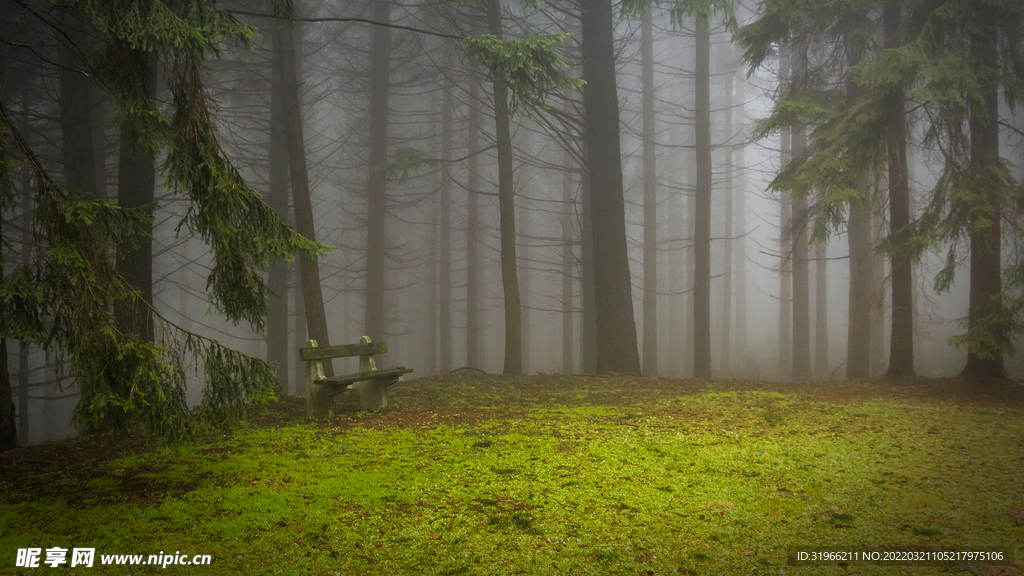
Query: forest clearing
{"points": [[484, 474]]}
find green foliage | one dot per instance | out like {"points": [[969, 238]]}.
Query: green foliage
{"points": [[529, 66], [63, 298], [703, 10]]}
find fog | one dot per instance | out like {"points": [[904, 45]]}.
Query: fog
{"points": [[429, 221]]}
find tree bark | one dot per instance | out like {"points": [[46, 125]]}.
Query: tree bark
{"points": [[616, 329], [277, 274], [309, 268], [135, 184], [858, 333], [376, 236], [650, 345], [785, 270], [727, 240], [821, 369], [568, 265], [801, 273], [506, 213], [702, 230], [445, 255], [985, 310], [901, 340], [474, 334]]}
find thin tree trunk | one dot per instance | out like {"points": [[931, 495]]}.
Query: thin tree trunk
{"points": [[741, 347], [858, 327], [702, 230], [821, 369], [729, 231], [878, 358], [277, 274], [858, 335], [801, 273], [785, 266], [445, 254], [506, 213], [309, 268], [588, 328], [135, 187], [901, 340], [650, 345], [376, 236], [568, 265], [985, 312], [474, 334]]}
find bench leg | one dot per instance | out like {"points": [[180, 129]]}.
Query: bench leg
{"points": [[373, 394], [318, 396]]}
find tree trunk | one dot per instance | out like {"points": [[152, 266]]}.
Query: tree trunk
{"points": [[309, 268], [445, 253], [878, 359], [588, 304], [702, 198], [821, 369], [616, 329], [785, 267], [474, 334], [376, 210], [277, 274], [741, 347], [901, 339], [135, 183], [727, 240], [858, 335], [506, 213], [801, 273], [650, 365], [985, 316], [568, 264]]}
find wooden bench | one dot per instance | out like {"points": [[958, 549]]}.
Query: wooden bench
{"points": [[372, 383]]}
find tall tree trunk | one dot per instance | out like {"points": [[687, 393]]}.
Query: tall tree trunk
{"points": [[523, 251], [801, 276], [277, 274], [741, 347], [445, 253], [376, 236], [985, 313], [616, 329], [821, 312], [858, 327], [650, 365], [588, 299], [785, 362], [474, 334], [568, 264], [858, 335], [135, 184], [506, 213], [901, 340], [309, 268], [702, 230], [878, 359], [76, 127], [801, 272], [727, 240]]}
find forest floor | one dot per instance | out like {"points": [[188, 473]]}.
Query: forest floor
{"points": [[549, 474]]}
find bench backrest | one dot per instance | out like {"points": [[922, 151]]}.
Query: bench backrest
{"points": [[365, 350]]}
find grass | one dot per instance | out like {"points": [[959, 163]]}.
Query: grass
{"points": [[588, 478]]}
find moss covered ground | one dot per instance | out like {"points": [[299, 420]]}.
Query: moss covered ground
{"points": [[480, 474]]}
